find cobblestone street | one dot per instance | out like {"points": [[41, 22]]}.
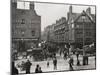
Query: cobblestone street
{"points": [[62, 64]]}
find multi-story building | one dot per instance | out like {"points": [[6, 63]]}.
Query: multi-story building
{"points": [[60, 31], [26, 27], [48, 33], [82, 28]]}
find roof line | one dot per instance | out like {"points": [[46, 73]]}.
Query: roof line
{"points": [[86, 15]]}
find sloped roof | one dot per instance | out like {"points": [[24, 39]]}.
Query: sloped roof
{"points": [[93, 17], [88, 17], [73, 17], [76, 17]]}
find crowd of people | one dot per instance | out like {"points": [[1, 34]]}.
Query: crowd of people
{"points": [[27, 65]]}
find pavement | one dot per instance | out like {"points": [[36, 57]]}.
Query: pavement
{"points": [[62, 65]]}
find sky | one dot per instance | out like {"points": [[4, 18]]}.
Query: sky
{"points": [[50, 12]]}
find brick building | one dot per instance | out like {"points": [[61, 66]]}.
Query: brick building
{"points": [[60, 31], [48, 34], [26, 27], [82, 28]]}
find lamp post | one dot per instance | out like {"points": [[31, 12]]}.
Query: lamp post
{"points": [[83, 18]]}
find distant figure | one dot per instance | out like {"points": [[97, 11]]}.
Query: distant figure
{"points": [[60, 53], [23, 65], [39, 71], [72, 60], [65, 55], [37, 68], [78, 63], [28, 65], [47, 63], [77, 55], [70, 64], [86, 60], [14, 69], [55, 63]]}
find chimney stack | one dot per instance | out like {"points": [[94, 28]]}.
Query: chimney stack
{"points": [[14, 4], [32, 5], [70, 9], [88, 11]]}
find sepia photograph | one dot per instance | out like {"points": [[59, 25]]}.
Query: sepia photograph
{"points": [[52, 37]]}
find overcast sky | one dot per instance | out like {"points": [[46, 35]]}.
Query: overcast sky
{"points": [[51, 12]]}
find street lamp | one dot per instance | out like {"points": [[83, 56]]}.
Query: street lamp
{"points": [[83, 19]]}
